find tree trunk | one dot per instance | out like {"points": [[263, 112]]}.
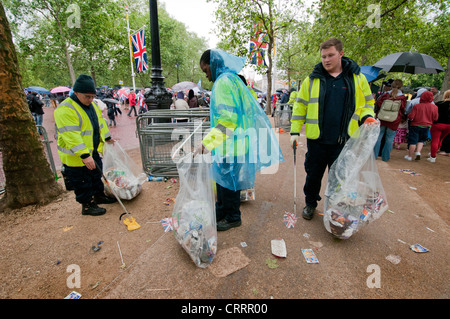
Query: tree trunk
{"points": [[66, 45], [69, 64], [446, 82], [269, 82], [93, 76], [29, 179]]}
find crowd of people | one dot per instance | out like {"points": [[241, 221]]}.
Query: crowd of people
{"points": [[412, 119], [132, 103], [37, 102], [332, 103], [181, 101]]}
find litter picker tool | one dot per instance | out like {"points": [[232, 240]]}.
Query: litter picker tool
{"points": [[129, 221], [295, 177], [188, 139]]}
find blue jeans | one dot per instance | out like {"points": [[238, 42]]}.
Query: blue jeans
{"points": [[387, 148], [38, 118]]}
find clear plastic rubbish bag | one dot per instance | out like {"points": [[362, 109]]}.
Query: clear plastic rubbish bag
{"points": [[195, 211], [354, 195], [124, 176]]}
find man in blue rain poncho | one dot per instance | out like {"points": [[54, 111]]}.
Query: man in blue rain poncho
{"points": [[241, 140]]}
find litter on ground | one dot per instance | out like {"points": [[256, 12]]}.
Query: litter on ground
{"points": [[289, 219], [418, 248], [310, 257], [279, 248], [393, 259]]}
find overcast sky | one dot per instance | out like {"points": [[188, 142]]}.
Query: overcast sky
{"points": [[197, 15]]}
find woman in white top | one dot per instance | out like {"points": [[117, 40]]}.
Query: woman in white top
{"points": [[181, 104]]}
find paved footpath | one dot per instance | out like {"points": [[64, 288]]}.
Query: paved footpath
{"points": [[354, 268]]}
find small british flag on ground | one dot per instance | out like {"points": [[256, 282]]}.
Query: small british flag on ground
{"points": [[289, 219]]}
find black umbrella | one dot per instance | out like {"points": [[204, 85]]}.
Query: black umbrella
{"points": [[409, 62]]}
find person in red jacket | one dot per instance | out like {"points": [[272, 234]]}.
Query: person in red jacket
{"points": [[422, 116], [441, 128], [389, 129], [132, 101]]}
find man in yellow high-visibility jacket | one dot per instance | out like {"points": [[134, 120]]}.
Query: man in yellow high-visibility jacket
{"points": [[82, 131], [332, 102], [292, 96]]}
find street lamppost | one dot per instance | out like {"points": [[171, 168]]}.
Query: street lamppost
{"points": [[157, 97]]}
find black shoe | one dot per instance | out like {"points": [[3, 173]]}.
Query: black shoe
{"points": [[308, 212], [92, 209], [103, 199], [225, 225]]}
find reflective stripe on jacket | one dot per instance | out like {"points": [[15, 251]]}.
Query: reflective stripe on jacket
{"points": [[306, 107], [75, 132]]}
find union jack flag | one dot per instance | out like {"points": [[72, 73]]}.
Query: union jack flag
{"points": [[169, 223], [258, 46], [139, 51], [379, 202], [289, 219]]}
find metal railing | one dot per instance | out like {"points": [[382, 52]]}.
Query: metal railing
{"points": [[160, 132], [282, 116]]}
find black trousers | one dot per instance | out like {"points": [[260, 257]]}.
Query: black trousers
{"points": [[228, 204], [318, 157], [86, 183], [132, 108]]}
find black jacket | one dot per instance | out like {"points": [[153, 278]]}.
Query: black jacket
{"points": [[35, 104], [349, 67]]}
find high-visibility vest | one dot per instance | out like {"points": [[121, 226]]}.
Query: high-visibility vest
{"points": [[75, 132], [306, 106], [292, 97]]}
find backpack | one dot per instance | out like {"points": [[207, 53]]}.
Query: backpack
{"points": [[389, 110], [30, 103]]}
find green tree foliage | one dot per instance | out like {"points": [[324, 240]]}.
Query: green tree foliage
{"points": [[371, 30], [48, 47], [57, 40], [235, 26]]}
